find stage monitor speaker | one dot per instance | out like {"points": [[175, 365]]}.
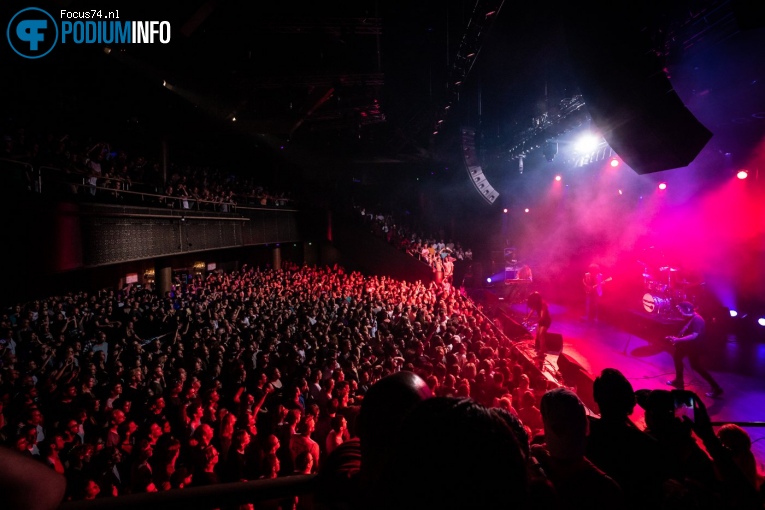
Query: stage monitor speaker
{"points": [[574, 375], [554, 343], [626, 89], [513, 329]]}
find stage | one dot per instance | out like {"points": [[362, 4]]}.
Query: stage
{"points": [[632, 341]]}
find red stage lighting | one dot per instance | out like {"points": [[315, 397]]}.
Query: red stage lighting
{"points": [[742, 174], [662, 185]]}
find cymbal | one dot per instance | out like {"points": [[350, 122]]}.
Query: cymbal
{"points": [[667, 268]]}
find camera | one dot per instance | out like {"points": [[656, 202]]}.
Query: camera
{"points": [[684, 405]]}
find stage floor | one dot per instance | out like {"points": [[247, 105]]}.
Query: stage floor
{"points": [[633, 343]]}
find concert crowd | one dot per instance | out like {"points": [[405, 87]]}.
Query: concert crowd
{"points": [[264, 373]]}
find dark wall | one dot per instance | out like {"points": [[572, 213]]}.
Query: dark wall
{"points": [[360, 250]]}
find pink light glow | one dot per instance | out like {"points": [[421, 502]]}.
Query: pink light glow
{"points": [[558, 178], [742, 174], [614, 162], [662, 185]]}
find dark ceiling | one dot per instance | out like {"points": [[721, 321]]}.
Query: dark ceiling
{"points": [[372, 79]]}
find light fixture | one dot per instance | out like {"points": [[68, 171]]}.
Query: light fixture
{"points": [[761, 321], [558, 178], [614, 162], [742, 174], [504, 210], [526, 210], [662, 185], [733, 313]]}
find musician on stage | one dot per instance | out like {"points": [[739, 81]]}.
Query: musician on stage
{"points": [[538, 306], [689, 343], [593, 291]]}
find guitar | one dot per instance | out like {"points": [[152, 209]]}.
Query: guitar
{"points": [[589, 288]]}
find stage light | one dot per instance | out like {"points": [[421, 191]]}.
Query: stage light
{"points": [[526, 210], [233, 119], [504, 211], [662, 185], [742, 174], [621, 192], [587, 143], [488, 280], [733, 313], [761, 321], [614, 162], [558, 178]]}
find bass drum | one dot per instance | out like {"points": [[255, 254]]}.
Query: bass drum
{"points": [[656, 304]]}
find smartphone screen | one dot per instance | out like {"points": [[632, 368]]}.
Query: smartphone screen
{"points": [[684, 407]]}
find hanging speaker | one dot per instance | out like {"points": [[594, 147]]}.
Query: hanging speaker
{"points": [[627, 93]]}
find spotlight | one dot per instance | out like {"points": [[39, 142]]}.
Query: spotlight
{"points": [[621, 192], [488, 280], [587, 143], [733, 313], [742, 174], [761, 321], [662, 185], [233, 119], [526, 210], [614, 162], [504, 210], [558, 178]]}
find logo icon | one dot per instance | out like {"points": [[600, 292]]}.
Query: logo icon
{"points": [[32, 33]]}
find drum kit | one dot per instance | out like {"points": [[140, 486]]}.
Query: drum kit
{"points": [[663, 290]]}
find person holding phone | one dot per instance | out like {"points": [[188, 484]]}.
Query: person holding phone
{"points": [[688, 344]]}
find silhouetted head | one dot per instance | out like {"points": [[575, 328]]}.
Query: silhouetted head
{"points": [[565, 422], [614, 394], [454, 453], [384, 408]]}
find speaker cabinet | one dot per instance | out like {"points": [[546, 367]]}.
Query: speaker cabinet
{"points": [[575, 376], [628, 94], [554, 343]]}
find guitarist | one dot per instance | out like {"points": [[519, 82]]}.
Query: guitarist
{"points": [[593, 289]]}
